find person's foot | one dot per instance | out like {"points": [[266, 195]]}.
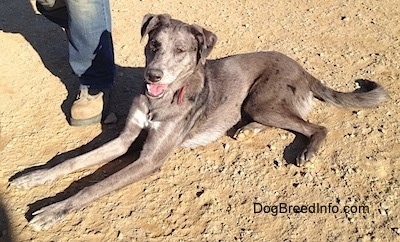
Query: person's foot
{"points": [[89, 106]]}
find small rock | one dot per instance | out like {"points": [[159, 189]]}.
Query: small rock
{"points": [[111, 118], [384, 205], [309, 165], [382, 212], [345, 18], [357, 113], [226, 147], [120, 235], [396, 230], [365, 238], [277, 163]]}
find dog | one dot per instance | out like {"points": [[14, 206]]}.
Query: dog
{"points": [[189, 101]]}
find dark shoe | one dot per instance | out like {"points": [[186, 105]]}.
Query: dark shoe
{"points": [[89, 107]]}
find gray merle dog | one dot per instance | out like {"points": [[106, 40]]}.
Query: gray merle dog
{"points": [[190, 101]]}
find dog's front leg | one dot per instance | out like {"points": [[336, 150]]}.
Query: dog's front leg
{"points": [[156, 149], [105, 153]]}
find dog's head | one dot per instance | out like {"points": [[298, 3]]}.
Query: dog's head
{"points": [[173, 51]]}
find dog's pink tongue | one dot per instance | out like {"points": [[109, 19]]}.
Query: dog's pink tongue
{"points": [[156, 89]]}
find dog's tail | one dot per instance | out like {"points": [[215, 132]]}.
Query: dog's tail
{"points": [[370, 94]]}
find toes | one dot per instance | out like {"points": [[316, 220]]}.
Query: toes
{"points": [[22, 182], [304, 157], [240, 134], [44, 218], [31, 179]]}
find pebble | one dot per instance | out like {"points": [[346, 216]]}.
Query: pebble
{"points": [[365, 238], [357, 113], [345, 18], [384, 205], [120, 235], [111, 118], [277, 163], [226, 147], [309, 165]]}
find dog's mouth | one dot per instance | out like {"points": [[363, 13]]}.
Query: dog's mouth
{"points": [[156, 90]]}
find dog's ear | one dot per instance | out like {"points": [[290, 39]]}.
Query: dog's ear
{"points": [[206, 41], [152, 21]]}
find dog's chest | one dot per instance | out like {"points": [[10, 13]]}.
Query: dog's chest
{"points": [[203, 138]]}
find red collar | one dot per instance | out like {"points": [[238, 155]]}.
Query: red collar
{"points": [[180, 93]]}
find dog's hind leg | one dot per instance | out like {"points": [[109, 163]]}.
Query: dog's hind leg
{"points": [[286, 120]]}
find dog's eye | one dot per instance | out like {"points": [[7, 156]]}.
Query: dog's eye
{"points": [[154, 45], [180, 50]]}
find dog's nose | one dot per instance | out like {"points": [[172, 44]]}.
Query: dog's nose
{"points": [[154, 75]]}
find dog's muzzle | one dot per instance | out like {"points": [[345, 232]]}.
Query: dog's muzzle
{"points": [[155, 90]]}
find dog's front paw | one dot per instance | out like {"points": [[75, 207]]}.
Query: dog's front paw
{"points": [[44, 218], [304, 157], [32, 179]]}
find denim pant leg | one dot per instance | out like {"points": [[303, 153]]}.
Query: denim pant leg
{"points": [[91, 53]]}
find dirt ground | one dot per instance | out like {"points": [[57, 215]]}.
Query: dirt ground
{"points": [[211, 193]]}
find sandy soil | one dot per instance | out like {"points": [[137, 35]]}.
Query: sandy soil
{"points": [[208, 194]]}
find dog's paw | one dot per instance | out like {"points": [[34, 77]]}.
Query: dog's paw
{"points": [[248, 130], [44, 218], [241, 134], [304, 157], [32, 179]]}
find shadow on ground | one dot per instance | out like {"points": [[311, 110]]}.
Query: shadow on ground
{"points": [[5, 230]]}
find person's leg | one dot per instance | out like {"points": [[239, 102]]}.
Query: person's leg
{"points": [[91, 51], [88, 25], [54, 10], [91, 54]]}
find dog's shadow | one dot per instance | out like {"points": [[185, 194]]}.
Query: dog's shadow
{"points": [[297, 146]]}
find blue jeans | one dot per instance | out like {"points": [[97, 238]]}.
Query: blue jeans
{"points": [[88, 27]]}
